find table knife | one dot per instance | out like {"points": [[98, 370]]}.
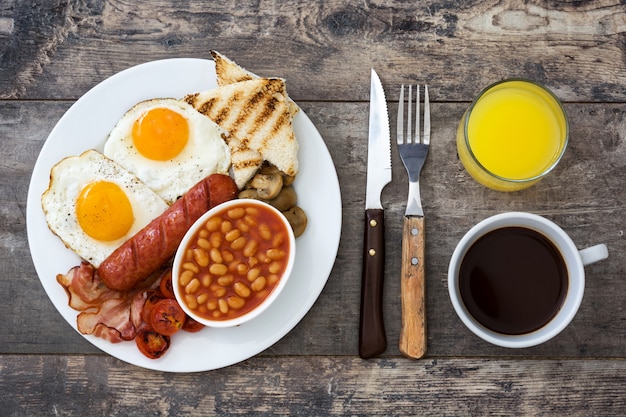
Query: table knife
{"points": [[372, 338]]}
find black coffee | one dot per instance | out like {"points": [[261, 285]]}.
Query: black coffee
{"points": [[513, 280]]}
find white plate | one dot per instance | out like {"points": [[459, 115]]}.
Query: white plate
{"points": [[86, 125]]}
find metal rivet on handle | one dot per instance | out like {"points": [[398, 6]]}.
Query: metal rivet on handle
{"points": [[414, 231]]}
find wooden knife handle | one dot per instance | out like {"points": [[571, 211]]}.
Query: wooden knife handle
{"points": [[413, 289], [372, 338]]}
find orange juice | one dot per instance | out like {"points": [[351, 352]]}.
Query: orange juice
{"points": [[513, 134]]}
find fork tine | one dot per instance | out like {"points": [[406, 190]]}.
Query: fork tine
{"points": [[417, 114], [409, 131], [426, 117], [400, 127]]}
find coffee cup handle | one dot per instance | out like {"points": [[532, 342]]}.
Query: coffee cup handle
{"points": [[594, 254]]}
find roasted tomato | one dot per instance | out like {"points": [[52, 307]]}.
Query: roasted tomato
{"points": [[192, 326], [152, 344], [167, 317], [166, 285], [153, 297]]}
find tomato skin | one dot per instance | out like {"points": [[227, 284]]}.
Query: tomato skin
{"points": [[151, 343], [153, 297], [167, 317], [165, 286], [192, 326]]}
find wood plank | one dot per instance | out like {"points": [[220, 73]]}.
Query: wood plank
{"points": [[97, 385], [53, 53], [585, 197], [60, 50]]}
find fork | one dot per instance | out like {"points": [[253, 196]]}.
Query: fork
{"points": [[413, 152]]}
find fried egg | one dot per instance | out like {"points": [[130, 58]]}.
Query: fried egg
{"points": [[94, 205], [169, 145]]}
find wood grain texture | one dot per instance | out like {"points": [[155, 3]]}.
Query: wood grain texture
{"points": [[576, 48], [53, 53], [413, 332], [583, 196], [310, 385]]}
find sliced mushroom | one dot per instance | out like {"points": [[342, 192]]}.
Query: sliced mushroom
{"points": [[285, 200], [288, 179], [297, 219], [267, 185], [249, 193], [269, 169]]}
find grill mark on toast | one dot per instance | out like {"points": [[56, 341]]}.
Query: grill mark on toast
{"points": [[256, 117], [247, 163], [247, 108], [269, 106], [269, 109], [191, 99], [223, 114], [280, 123]]}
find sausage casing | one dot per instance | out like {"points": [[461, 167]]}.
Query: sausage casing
{"points": [[152, 246]]}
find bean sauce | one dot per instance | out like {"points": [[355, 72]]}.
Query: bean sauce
{"points": [[234, 261]]}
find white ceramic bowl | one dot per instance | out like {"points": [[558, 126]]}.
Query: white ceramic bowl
{"points": [[179, 260]]}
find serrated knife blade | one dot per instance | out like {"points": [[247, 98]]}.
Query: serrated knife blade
{"points": [[372, 338], [379, 146]]}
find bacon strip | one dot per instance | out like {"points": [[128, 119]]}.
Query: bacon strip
{"points": [[84, 288], [115, 321], [111, 315]]}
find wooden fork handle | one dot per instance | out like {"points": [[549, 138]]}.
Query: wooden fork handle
{"points": [[412, 289]]}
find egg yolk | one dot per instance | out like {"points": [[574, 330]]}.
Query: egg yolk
{"points": [[104, 211], [160, 134]]}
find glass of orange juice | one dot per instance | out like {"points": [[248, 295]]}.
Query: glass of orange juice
{"points": [[512, 135]]}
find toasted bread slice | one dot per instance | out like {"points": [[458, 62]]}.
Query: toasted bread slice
{"points": [[245, 162], [228, 72], [256, 114]]}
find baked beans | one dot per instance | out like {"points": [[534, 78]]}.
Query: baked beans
{"points": [[234, 261]]}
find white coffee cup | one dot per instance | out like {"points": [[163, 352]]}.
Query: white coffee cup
{"points": [[574, 259]]}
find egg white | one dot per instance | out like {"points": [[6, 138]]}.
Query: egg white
{"points": [[69, 177], [205, 153]]}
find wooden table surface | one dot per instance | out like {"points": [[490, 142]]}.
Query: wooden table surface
{"points": [[54, 52]]}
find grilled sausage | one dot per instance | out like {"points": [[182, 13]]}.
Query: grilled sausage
{"points": [[152, 246]]}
